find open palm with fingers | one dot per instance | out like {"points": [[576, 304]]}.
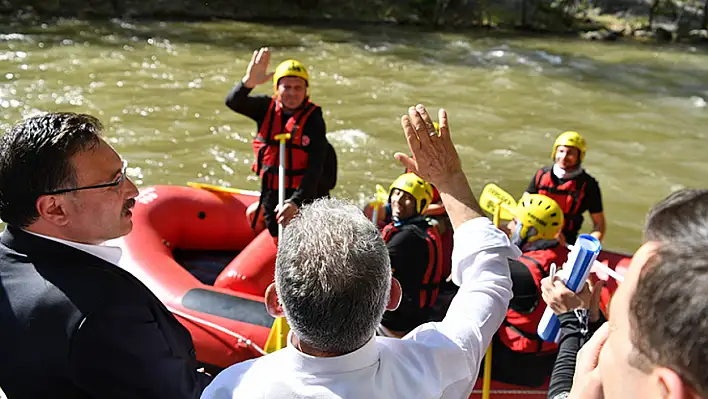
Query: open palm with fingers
{"points": [[257, 71], [435, 158]]}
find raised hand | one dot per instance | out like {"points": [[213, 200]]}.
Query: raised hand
{"points": [[435, 159], [257, 71]]}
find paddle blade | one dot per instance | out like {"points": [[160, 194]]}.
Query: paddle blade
{"points": [[493, 196], [381, 194], [278, 336]]}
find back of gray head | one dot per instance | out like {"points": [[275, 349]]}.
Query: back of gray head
{"points": [[333, 276]]}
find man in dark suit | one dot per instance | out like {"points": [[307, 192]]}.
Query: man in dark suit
{"points": [[72, 323]]}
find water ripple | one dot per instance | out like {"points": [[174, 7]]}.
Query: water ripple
{"points": [[160, 88]]}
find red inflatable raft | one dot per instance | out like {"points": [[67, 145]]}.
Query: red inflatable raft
{"points": [[183, 239], [194, 248]]}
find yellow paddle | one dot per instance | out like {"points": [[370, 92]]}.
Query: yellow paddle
{"points": [[221, 189], [381, 194], [380, 199], [493, 197], [278, 336], [487, 379]]}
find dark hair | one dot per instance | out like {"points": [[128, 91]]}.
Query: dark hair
{"points": [[669, 314], [35, 157], [680, 217]]}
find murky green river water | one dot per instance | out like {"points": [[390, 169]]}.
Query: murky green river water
{"points": [[160, 90]]}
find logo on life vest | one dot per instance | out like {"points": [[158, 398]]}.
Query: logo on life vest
{"points": [[305, 140]]}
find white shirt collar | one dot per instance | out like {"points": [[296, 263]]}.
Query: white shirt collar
{"points": [[566, 174], [108, 253], [360, 358]]}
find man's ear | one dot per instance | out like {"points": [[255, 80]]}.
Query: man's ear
{"points": [[394, 298], [271, 301], [668, 385], [52, 209]]}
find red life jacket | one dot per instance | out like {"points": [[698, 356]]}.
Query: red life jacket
{"points": [[434, 272], [518, 331], [568, 195], [267, 149]]}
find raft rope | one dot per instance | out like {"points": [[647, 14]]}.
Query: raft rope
{"points": [[207, 323]]}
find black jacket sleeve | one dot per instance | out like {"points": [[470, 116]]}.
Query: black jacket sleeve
{"points": [[122, 348], [315, 130], [254, 107], [572, 338], [593, 196]]}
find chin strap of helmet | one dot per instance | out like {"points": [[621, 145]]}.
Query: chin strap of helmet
{"points": [[516, 238]]}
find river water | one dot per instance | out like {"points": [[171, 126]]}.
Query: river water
{"points": [[160, 88]]}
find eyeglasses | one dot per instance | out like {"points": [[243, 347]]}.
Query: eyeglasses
{"points": [[118, 181]]}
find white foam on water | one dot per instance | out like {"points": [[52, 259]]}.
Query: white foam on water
{"points": [[552, 59], [14, 36], [12, 55], [683, 102], [506, 153], [699, 102], [460, 43], [378, 48], [353, 138]]}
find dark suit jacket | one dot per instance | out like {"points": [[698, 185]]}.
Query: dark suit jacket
{"points": [[75, 326]]}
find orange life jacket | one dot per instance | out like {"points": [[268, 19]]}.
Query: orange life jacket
{"points": [[568, 195], [434, 272], [518, 331], [267, 148]]}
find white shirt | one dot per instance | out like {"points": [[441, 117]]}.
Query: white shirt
{"points": [[108, 253], [436, 360]]}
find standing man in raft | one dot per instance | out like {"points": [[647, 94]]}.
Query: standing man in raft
{"points": [[310, 161], [567, 183]]}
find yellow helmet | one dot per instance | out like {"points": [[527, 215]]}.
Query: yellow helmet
{"points": [[570, 139], [290, 68], [541, 213], [420, 189]]}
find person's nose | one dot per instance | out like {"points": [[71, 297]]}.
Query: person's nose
{"points": [[131, 188], [396, 197]]}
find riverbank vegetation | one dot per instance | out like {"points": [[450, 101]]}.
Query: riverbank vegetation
{"points": [[661, 20]]}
